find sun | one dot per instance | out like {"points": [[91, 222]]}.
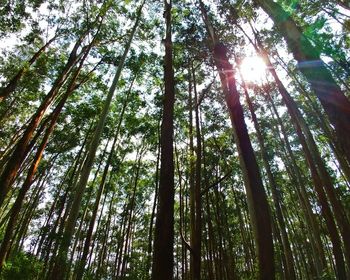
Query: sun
{"points": [[253, 69]]}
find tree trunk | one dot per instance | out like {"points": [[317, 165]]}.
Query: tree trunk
{"points": [[197, 244], [298, 180], [324, 124], [192, 187], [82, 261], [287, 251], [21, 150], [36, 161], [325, 209], [26, 185], [333, 100], [155, 200], [128, 234], [12, 84], [59, 270], [257, 201], [320, 168], [162, 268]]}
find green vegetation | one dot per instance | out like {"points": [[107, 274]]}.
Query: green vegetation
{"points": [[175, 139]]}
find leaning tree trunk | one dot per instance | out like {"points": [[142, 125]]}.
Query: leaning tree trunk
{"points": [[37, 158], [298, 180], [299, 121], [162, 268], [333, 100], [23, 146], [10, 171], [60, 267], [324, 124], [318, 184], [12, 84], [82, 261], [287, 251], [28, 182], [256, 196]]}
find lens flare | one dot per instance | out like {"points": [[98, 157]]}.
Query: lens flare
{"points": [[253, 69]]}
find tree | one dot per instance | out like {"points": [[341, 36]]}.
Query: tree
{"points": [[59, 269], [138, 185], [162, 267], [333, 100], [257, 201]]}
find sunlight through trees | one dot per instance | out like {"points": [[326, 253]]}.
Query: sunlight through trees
{"points": [[175, 139]]}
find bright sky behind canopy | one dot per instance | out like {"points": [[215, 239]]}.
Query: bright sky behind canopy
{"points": [[253, 69]]}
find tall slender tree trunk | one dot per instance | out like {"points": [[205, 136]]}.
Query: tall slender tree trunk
{"points": [[131, 214], [325, 209], [72, 171], [43, 230], [100, 250], [208, 241], [333, 100], [323, 122], [320, 168], [182, 227], [246, 248], [37, 158], [21, 150], [59, 270], [197, 244], [82, 261], [119, 256], [155, 200], [192, 187], [257, 201], [18, 235], [26, 185], [287, 251], [297, 179], [162, 268], [79, 231]]}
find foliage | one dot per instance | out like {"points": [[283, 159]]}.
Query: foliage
{"points": [[22, 266], [122, 231]]}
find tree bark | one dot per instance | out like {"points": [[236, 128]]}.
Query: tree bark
{"points": [[21, 149], [162, 268], [257, 201], [333, 100], [82, 261], [287, 251], [59, 270]]}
